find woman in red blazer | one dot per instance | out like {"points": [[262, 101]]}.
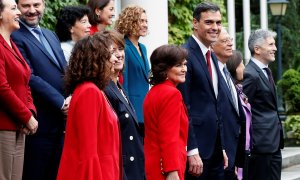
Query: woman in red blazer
{"points": [[16, 106], [166, 121], [92, 141]]}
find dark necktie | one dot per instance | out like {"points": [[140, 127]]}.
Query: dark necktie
{"points": [[231, 89], [208, 63], [270, 77], [45, 43]]}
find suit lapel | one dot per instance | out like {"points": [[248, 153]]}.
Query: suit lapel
{"points": [[199, 55], [113, 87], [138, 57], [226, 89], [34, 40], [264, 79], [14, 51], [53, 46]]}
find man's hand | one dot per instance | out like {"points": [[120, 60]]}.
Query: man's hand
{"points": [[195, 165], [65, 108], [225, 159]]}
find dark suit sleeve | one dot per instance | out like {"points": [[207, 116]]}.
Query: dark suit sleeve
{"points": [[249, 85], [39, 86], [184, 88]]}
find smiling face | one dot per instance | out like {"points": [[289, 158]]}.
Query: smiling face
{"points": [[120, 57], [208, 28], [176, 74], [265, 51], [32, 11], [80, 29], [223, 46], [107, 13], [143, 25], [10, 16]]}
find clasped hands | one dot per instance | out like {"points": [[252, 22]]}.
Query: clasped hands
{"points": [[30, 127]]}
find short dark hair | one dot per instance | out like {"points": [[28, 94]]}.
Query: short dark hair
{"points": [[233, 62], [67, 18], [203, 7], [164, 58], [89, 62], [93, 5], [1, 6]]}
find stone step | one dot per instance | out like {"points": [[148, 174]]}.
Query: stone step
{"points": [[291, 173], [290, 163], [290, 157]]}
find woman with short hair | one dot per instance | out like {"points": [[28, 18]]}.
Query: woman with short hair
{"points": [[72, 25], [166, 120]]}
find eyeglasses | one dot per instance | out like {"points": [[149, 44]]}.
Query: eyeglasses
{"points": [[226, 41]]}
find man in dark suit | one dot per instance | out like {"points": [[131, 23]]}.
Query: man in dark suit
{"points": [[41, 49], [232, 114], [267, 140], [200, 93]]}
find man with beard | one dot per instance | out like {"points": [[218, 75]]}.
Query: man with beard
{"points": [[41, 49]]}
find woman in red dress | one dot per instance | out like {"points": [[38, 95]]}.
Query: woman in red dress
{"points": [[166, 120], [92, 142]]}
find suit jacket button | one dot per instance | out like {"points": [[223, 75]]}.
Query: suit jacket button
{"points": [[127, 115], [131, 158], [131, 138]]}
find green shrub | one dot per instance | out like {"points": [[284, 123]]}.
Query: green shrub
{"points": [[290, 84], [292, 126], [52, 9], [181, 16]]}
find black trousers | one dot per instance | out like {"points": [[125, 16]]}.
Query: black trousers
{"points": [[213, 168], [263, 166]]}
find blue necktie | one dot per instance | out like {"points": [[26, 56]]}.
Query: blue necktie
{"points": [[45, 43], [228, 79]]}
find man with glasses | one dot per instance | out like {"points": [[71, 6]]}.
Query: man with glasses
{"points": [[231, 108]]}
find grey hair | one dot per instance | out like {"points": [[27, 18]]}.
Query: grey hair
{"points": [[258, 36]]}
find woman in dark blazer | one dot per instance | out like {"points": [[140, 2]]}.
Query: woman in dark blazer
{"points": [[166, 120], [132, 147], [16, 105], [133, 24]]}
